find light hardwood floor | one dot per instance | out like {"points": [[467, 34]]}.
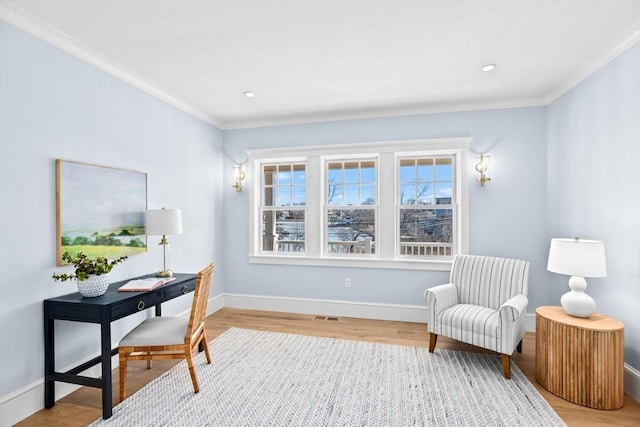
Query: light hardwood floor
{"points": [[83, 406]]}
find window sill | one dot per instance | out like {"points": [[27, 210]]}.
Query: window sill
{"points": [[354, 262]]}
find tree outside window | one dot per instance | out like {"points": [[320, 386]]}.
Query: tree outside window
{"points": [[351, 207]]}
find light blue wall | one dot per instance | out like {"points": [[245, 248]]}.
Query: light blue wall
{"points": [[52, 105], [568, 169], [508, 215], [594, 192]]}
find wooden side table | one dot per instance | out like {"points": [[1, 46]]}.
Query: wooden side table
{"points": [[580, 359]]}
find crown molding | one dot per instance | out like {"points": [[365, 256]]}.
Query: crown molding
{"points": [[606, 55], [17, 17], [381, 113]]}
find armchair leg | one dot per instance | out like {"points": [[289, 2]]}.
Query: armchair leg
{"points": [[519, 347], [506, 365], [432, 341]]}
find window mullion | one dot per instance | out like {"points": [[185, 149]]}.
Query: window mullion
{"points": [[314, 215], [386, 205]]}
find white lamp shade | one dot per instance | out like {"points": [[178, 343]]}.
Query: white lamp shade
{"points": [[164, 221], [577, 257]]}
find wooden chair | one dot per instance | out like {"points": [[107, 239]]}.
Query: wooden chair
{"points": [[170, 337]]}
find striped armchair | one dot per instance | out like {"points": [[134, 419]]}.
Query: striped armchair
{"points": [[485, 305]]}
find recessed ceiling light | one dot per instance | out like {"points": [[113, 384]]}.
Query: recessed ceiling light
{"points": [[489, 67], [249, 94]]}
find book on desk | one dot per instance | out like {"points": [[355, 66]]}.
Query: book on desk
{"points": [[143, 285]]}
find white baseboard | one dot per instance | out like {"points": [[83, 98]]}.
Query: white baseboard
{"points": [[29, 399], [632, 382], [531, 322], [216, 303], [21, 403], [362, 310]]}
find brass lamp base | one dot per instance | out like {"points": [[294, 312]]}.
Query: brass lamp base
{"points": [[164, 273]]}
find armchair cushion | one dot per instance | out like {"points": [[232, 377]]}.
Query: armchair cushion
{"points": [[469, 323]]}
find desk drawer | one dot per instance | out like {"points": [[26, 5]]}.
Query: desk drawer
{"points": [[133, 305], [181, 289]]}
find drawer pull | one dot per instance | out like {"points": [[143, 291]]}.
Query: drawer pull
{"points": [[185, 289], [140, 305]]}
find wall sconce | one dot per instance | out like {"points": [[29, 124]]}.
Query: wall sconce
{"points": [[483, 168], [238, 177]]}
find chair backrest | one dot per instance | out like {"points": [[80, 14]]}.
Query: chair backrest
{"points": [[200, 300], [489, 281]]}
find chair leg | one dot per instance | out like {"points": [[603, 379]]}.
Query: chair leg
{"points": [[192, 370], [149, 359], [205, 344], [432, 341], [123, 376], [519, 347], [506, 365]]}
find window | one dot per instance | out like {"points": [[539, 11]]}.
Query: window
{"points": [[399, 204], [425, 210], [350, 211], [284, 197]]}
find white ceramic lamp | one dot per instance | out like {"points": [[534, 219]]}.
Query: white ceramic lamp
{"points": [[577, 258], [162, 222]]}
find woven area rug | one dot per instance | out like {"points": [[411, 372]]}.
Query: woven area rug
{"points": [[273, 379]]}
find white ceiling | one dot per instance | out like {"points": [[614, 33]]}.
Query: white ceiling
{"points": [[329, 60]]}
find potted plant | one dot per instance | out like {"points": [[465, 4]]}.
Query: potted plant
{"points": [[92, 274]]}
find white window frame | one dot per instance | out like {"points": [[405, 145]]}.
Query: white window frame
{"points": [[326, 207], [262, 208], [387, 154], [454, 205]]}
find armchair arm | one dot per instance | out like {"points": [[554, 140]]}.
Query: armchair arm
{"points": [[439, 298], [513, 308], [511, 323]]}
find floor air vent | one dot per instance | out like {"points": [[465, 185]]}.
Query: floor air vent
{"points": [[326, 318]]}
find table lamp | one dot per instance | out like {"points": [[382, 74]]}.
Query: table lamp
{"points": [[577, 258], [162, 222]]}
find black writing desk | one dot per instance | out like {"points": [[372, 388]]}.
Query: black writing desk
{"points": [[111, 306]]}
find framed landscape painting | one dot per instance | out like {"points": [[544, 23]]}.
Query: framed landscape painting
{"points": [[100, 210]]}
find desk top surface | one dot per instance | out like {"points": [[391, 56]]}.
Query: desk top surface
{"points": [[113, 296]]}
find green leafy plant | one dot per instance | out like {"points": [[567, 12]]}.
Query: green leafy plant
{"points": [[86, 266]]}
